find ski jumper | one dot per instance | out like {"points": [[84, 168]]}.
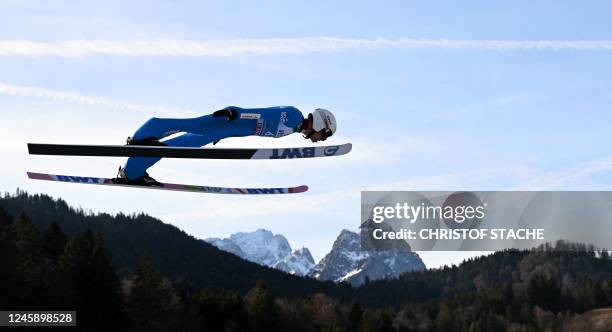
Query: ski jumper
{"points": [[268, 122]]}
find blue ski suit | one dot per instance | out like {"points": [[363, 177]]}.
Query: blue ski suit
{"points": [[268, 122]]}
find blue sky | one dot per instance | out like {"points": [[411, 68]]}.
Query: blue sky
{"points": [[470, 111]]}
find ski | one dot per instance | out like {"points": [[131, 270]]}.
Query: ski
{"points": [[185, 152], [168, 186]]}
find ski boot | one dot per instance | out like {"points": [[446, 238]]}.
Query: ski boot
{"points": [[145, 180], [149, 141]]}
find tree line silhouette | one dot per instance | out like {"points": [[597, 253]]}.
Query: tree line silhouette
{"points": [[53, 257]]}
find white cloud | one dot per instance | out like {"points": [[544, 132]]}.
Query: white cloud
{"points": [[271, 46], [571, 176], [73, 97]]}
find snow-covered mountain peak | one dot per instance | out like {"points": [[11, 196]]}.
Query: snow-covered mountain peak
{"points": [[347, 262], [300, 262], [348, 240], [262, 246], [303, 251], [265, 248]]}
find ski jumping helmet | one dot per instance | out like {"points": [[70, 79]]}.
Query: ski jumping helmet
{"points": [[323, 119]]}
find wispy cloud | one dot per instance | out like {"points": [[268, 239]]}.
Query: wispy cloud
{"points": [[271, 46], [73, 97], [569, 177], [371, 151]]}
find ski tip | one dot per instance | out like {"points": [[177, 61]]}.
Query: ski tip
{"points": [[34, 148], [299, 189], [38, 176]]}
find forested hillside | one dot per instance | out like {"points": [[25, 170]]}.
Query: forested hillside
{"points": [[132, 273], [178, 255]]}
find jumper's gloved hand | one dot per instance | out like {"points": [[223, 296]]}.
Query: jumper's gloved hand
{"points": [[231, 114]]}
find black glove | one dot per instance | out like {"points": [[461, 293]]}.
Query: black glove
{"points": [[229, 113]]}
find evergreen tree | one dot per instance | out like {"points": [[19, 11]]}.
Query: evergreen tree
{"points": [[261, 307], [376, 320], [148, 298], [609, 290], [5, 220], [544, 292], [108, 303], [9, 279], [599, 296], [222, 312], [53, 242], [31, 270], [445, 319], [91, 284], [354, 316], [27, 237]]}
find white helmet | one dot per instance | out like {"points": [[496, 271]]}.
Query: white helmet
{"points": [[323, 119]]}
